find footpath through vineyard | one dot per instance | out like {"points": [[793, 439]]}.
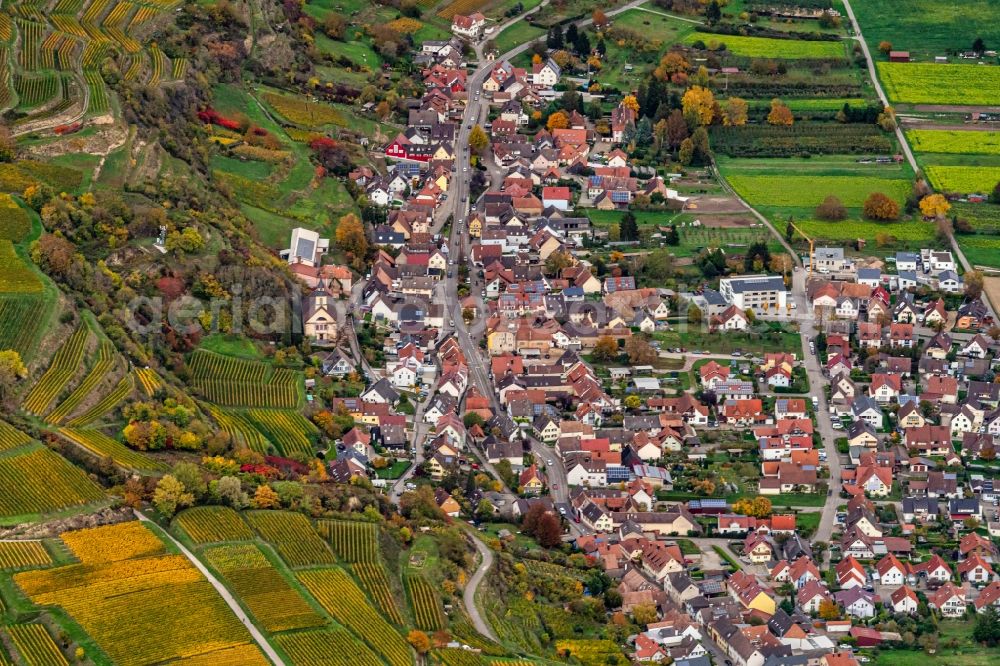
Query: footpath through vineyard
{"points": [[258, 636]]}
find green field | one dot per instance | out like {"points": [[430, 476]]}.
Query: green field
{"points": [[694, 239], [954, 141], [981, 250], [907, 233], [967, 652], [230, 345], [245, 168], [517, 34], [928, 28], [653, 26], [359, 53], [770, 341], [929, 83], [783, 188], [763, 47], [809, 191], [965, 180], [608, 218], [497, 10]]}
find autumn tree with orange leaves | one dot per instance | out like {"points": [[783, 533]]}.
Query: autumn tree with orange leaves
{"points": [[780, 114], [699, 103]]}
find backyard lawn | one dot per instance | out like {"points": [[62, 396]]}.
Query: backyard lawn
{"points": [[807, 523]]}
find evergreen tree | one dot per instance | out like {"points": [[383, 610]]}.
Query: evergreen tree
{"points": [[554, 40], [655, 96], [673, 238], [602, 47], [713, 12], [571, 34], [643, 132], [756, 251], [582, 45], [628, 229]]}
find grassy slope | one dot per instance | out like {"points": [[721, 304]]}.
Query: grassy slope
{"points": [[313, 209]]}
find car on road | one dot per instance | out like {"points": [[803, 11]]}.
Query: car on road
{"points": [[837, 425], [549, 463], [465, 169]]}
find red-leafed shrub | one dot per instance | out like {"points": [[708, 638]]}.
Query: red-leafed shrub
{"points": [[322, 143], [213, 117], [263, 470], [67, 129], [287, 464], [170, 287]]}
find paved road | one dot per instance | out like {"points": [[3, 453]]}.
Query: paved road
{"points": [[353, 306], [824, 425], [224, 593], [469, 594], [420, 429]]}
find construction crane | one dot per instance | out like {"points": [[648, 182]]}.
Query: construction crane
{"points": [[812, 246]]}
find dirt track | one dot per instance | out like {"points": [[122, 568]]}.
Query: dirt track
{"points": [[916, 123], [951, 108]]}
